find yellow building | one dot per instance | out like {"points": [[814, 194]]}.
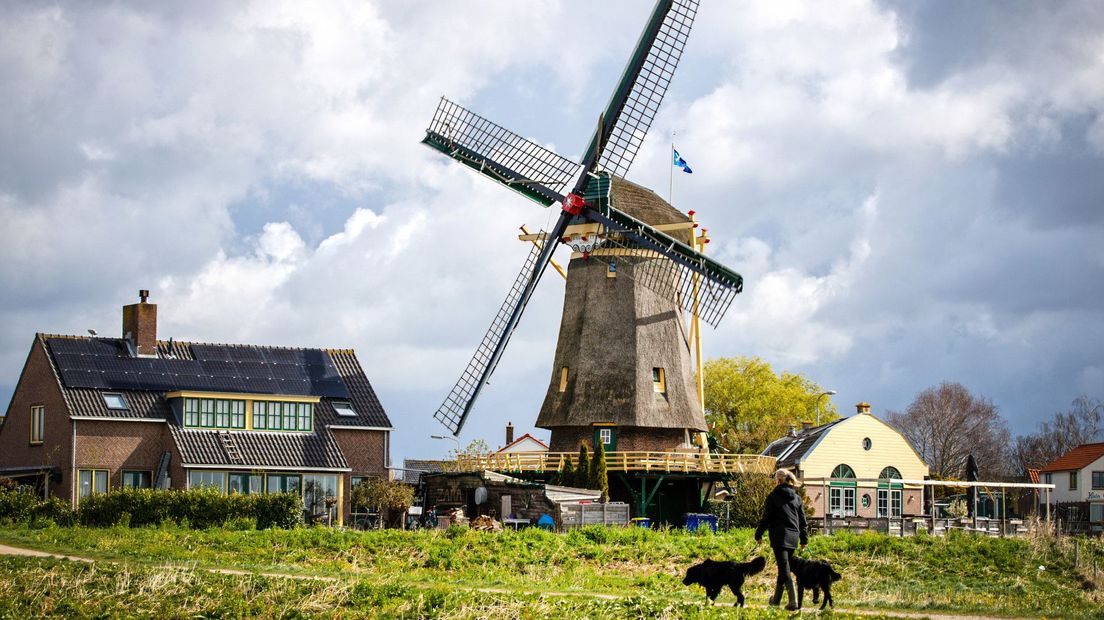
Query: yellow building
{"points": [[850, 466]]}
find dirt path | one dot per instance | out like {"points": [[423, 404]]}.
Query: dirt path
{"points": [[19, 551]]}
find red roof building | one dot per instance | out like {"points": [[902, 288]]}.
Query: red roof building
{"points": [[1078, 476]]}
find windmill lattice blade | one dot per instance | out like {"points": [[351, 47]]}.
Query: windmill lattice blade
{"points": [[676, 270], [454, 411], [497, 152], [633, 110]]}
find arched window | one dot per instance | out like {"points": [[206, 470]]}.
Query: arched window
{"points": [[890, 472], [841, 494]]}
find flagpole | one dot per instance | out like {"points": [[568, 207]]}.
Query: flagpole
{"points": [[671, 173]]}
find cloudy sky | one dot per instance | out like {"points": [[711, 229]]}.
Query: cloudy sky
{"points": [[913, 192]]}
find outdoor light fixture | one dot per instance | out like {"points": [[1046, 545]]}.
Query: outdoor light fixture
{"points": [[822, 395]]}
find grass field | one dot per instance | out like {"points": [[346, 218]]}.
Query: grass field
{"points": [[596, 572]]}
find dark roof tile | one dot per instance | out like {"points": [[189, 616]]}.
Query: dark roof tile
{"points": [[259, 449]]}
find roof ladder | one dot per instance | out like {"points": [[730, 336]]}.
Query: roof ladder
{"points": [[231, 448], [162, 481]]}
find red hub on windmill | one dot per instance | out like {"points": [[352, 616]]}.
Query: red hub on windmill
{"points": [[573, 204]]}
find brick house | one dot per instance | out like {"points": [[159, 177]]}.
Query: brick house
{"points": [[91, 414]]}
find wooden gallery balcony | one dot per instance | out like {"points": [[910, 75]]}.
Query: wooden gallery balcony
{"points": [[689, 462]]}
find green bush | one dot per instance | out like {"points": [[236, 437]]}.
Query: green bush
{"points": [[198, 508], [54, 510], [17, 504]]}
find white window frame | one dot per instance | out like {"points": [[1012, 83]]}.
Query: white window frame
{"points": [[344, 409], [605, 435], [841, 501], [119, 404]]}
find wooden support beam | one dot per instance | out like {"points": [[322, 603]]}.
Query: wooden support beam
{"points": [[537, 240]]}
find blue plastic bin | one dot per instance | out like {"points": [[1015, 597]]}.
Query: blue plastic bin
{"points": [[643, 522], [696, 520]]}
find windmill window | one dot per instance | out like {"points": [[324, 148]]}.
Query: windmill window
{"points": [[115, 401], [344, 409], [606, 435], [659, 381], [563, 379], [867, 443]]}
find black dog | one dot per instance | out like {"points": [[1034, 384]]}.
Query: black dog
{"points": [[713, 576], [815, 575]]}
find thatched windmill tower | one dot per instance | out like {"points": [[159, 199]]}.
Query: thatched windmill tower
{"points": [[622, 373]]}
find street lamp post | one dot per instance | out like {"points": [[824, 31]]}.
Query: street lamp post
{"points": [[448, 437], [822, 395]]}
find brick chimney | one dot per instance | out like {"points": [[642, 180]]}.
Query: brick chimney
{"points": [[806, 425], [509, 433], [140, 325], [863, 407]]}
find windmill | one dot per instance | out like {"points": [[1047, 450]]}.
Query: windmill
{"points": [[622, 358]]}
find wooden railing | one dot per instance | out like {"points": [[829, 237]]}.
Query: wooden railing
{"points": [[690, 461]]}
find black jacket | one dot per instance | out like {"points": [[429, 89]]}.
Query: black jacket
{"points": [[784, 518]]}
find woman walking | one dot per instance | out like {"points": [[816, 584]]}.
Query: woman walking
{"points": [[784, 519]]}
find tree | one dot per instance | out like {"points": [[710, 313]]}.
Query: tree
{"points": [[476, 447], [1082, 423], [747, 405], [383, 495], [947, 423], [582, 470], [567, 474], [599, 478]]}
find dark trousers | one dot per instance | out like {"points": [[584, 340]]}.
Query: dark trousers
{"points": [[782, 559]]}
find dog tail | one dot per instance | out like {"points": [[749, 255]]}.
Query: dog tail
{"points": [[756, 564]]}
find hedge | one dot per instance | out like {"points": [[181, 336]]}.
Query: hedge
{"points": [[197, 508]]}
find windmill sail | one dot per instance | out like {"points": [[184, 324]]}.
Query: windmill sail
{"points": [[522, 165], [643, 84], [454, 411]]}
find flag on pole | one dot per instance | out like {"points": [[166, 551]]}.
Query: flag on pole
{"points": [[681, 163]]}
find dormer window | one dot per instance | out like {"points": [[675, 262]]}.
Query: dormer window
{"points": [[283, 416], [115, 401], [344, 409]]}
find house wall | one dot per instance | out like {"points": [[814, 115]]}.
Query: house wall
{"points": [[843, 444], [38, 385], [1084, 491], [366, 452], [117, 445]]}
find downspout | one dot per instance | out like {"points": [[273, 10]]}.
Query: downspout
{"points": [[73, 468]]}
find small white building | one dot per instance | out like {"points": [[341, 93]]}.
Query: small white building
{"points": [[525, 443], [1078, 476]]}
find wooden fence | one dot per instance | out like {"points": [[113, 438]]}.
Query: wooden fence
{"points": [[660, 462]]}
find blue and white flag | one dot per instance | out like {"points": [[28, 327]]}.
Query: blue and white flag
{"points": [[681, 163]]}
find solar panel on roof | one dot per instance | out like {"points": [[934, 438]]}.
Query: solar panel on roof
{"points": [[253, 369], [103, 364]]}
